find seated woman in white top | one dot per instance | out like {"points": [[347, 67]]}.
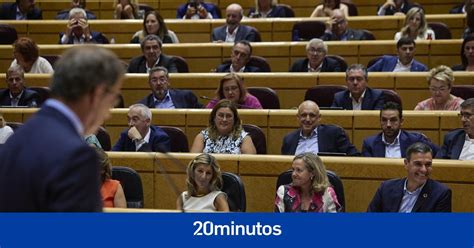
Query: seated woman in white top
{"points": [[415, 26], [204, 183], [5, 131], [325, 9], [26, 54]]}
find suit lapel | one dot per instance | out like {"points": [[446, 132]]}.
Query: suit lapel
{"points": [[347, 101], [457, 146], [403, 143], [379, 147], [367, 99], [396, 195], [423, 197]]}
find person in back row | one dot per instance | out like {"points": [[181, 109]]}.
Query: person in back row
{"points": [[78, 30], [20, 10], [393, 141], [337, 28], [316, 61], [152, 56], [358, 96], [404, 62], [233, 31], [312, 136]]}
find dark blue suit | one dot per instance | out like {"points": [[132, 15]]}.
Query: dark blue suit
{"points": [[159, 142], [388, 63], [331, 138], [329, 65], [210, 7], [244, 33], [64, 15], [180, 98], [374, 147], [29, 98], [373, 100], [434, 197], [138, 64], [97, 38], [452, 145], [8, 12], [351, 34], [47, 166], [226, 68]]}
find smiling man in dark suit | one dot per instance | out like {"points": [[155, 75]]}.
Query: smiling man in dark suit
{"points": [[415, 193], [164, 97], [358, 96], [458, 144], [152, 56], [233, 31], [312, 136], [46, 165], [316, 61], [20, 10]]}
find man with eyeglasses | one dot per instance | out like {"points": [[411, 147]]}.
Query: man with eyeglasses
{"points": [[404, 62], [314, 137], [316, 61], [164, 97], [239, 57], [141, 135], [20, 10], [337, 28], [358, 96], [459, 143]]}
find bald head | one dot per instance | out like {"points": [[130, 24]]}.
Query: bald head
{"points": [[308, 116], [234, 14]]}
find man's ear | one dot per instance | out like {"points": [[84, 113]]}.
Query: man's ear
{"points": [[97, 93]]}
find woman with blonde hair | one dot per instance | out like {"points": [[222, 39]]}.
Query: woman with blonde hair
{"points": [[440, 81], [266, 8], [310, 190], [415, 26], [204, 184]]}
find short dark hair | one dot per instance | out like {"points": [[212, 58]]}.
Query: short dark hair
{"points": [[158, 68], [405, 41], [392, 106], [151, 37], [468, 103], [357, 67], [245, 43], [418, 147]]}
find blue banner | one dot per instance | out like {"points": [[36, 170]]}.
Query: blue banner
{"points": [[236, 230]]}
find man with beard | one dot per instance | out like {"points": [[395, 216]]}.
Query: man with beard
{"points": [[337, 28], [20, 10], [152, 57], [316, 61], [16, 94], [239, 57], [404, 62], [459, 143], [358, 96], [233, 31], [78, 30], [393, 141], [164, 97], [314, 137], [415, 193]]}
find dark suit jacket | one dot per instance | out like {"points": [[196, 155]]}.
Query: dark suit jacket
{"points": [[391, 10], [138, 64], [388, 63], [330, 139], [159, 142], [434, 197], [329, 65], [29, 98], [47, 166], [244, 33], [97, 37], [8, 12], [459, 67], [374, 147], [64, 15], [452, 145], [210, 7], [457, 9], [180, 98], [352, 34], [277, 11], [373, 100], [226, 68]]}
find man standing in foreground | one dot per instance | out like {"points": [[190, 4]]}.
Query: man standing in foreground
{"points": [[46, 165]]}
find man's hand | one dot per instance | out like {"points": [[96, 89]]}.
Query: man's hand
{"points": [[85, 28], [329, 24], [202, 12], [133, 134], [190, 12], [388, 4], [73, 23]]}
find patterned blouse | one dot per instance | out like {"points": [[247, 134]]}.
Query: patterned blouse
{"points": [[223, 144], [429, 104], [288, 199]]}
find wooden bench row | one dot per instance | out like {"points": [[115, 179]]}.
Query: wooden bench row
{"points": [[104, 9], [360, 176], [272, 29], [277, 123], [290, 87], [203, 57]]}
